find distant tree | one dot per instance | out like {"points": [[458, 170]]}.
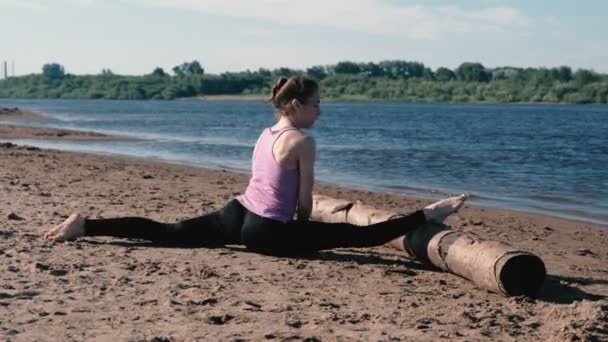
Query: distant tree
{"points": [[402, 69], [584, 76], [563, 73], [428, 74], [394, 69], [159, 72], [177, 70], [505, 73], [106, 76], [317, 72], [472, 72], [373, 70], [444, 74], [53, 71], [188, 69], [347, 68], [415, 69], [264, 73], [387, 80], [195, 68], [284, 72], [391, 69], [541, 75]]}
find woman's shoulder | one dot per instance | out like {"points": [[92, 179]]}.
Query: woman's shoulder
{"points": [[300, 138]]}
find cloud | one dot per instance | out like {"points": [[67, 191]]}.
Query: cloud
{"points": [[41, 4], [81, 2], [22, 4], [369, 16], [419, 22]]}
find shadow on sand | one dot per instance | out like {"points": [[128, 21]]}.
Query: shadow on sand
{"points": [[339, 255], [558, 289]]}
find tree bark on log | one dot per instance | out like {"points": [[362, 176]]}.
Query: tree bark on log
{"points": [[491, 265]]}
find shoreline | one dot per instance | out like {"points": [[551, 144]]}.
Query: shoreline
{"points": [[10, 131], [487, 203], [182, 293], [15, 113], [481, 202], [324, 187], [359, 99], [15, 133], [348, 99]]}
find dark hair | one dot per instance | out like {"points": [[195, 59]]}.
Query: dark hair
{"points": [[285, 90]]}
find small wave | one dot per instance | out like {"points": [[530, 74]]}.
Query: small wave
{"points": [[555, 199], [365, 148], [212, 141], [418, 191]]}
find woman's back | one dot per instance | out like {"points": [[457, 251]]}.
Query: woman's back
{"points": [[273, 188]]}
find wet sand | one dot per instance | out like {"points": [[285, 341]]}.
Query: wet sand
{"points": [[18, 113], [116, 289], [10, 131]]}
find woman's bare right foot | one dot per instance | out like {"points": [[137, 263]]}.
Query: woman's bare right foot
{"points": [[70, 229], [439, 211]]}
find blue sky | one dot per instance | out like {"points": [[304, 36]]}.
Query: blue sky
{"points": [[135, 36]]}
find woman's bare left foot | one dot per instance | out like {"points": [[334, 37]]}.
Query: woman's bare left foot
{"points": [[70, 229], [439, 211]]}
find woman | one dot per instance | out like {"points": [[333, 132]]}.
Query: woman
{"points": [[280, 187]]}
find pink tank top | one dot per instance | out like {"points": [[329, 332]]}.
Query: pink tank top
{"points": [[273, 190]]}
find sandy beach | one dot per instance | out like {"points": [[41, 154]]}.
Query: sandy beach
{"points": [[101, 289], [12, 113], [9, 131], [20, 132]]}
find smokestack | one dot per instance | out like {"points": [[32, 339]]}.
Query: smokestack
{"points": [[13, 68], [5, 70]]}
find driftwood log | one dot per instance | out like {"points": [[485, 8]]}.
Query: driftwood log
{"points": [[491, 265]]}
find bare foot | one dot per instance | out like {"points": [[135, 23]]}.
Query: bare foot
{"points": [[70, 229], [439, 211]]}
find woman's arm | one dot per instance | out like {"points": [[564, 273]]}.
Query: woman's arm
{"points": [[307, 177]]}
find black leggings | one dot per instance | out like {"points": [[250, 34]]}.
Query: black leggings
{"points": [[234, 224]]}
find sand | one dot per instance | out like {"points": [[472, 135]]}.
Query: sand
{"points": [[18, 113], [127, 290], [21, 132], [9, 131]]}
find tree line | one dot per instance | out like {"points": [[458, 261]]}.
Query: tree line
{"points": [[393, 80]]}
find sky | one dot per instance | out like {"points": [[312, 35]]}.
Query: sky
{"points": [[136, 36]]}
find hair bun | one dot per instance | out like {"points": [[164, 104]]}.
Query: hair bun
{"points": [[281, 82], [285, 90], [276, 88]]}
